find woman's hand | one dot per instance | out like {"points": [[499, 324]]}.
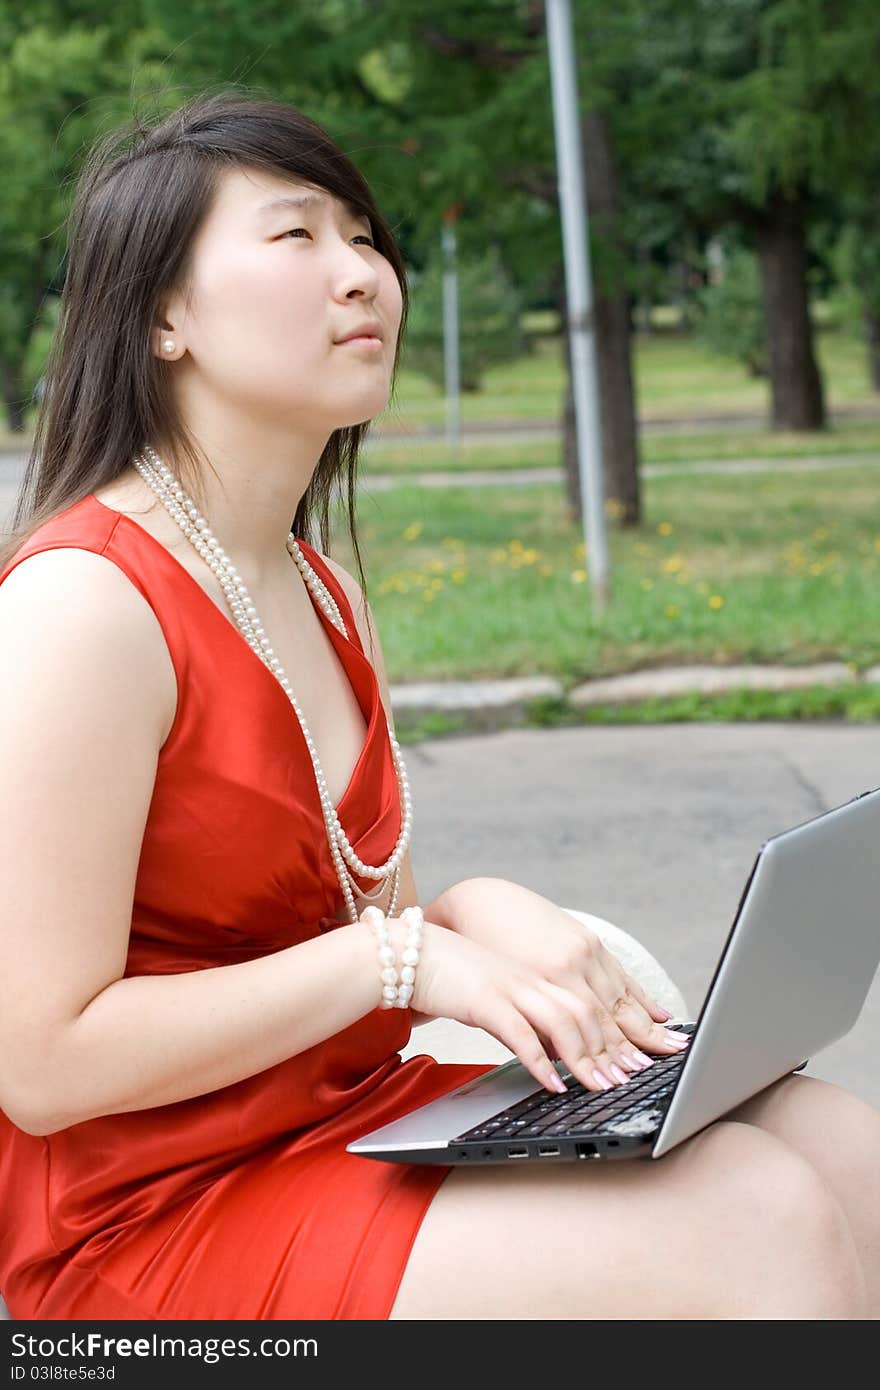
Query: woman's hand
{"points": [[528, 1012], [524, 927]]}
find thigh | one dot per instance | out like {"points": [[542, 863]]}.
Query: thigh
{"points": [[688, 1235], [837, 1132]]}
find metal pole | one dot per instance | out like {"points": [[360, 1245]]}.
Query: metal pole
{"points": [[578, 284], [451, 349]]}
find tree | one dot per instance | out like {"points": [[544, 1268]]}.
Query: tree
{"points": [[754, 110], [62, 82]]}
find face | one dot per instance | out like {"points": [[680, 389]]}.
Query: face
{"points": [[274, 287]]}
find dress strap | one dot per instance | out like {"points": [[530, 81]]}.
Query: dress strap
{"points": [[324, 572]]}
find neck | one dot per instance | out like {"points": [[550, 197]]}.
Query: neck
{"points": [[251, 498]]}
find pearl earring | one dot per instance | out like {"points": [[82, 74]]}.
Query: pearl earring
{"points": [[168, 345]]}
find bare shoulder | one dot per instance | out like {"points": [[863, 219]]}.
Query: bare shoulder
{"points": [[82, 719], [71, 595]]}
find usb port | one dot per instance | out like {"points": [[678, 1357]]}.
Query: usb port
{"points": [[547, 1151], [519, 1152]]}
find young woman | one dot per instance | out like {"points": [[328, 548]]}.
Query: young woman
{"points": [[199, 767]]}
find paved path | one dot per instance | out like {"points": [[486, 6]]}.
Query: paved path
{"points": [[11, 466], [528, 477], [654, 828]]}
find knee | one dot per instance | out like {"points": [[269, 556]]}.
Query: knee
{"points": [[779, 1216], [852, 1127]]}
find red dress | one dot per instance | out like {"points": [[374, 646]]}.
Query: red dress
{"points": [[240, 1203]]}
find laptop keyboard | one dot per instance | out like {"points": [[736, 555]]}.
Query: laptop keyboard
{"points": [[580, 1111]]}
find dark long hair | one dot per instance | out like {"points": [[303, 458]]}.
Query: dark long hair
{"points": [[140, 198]]}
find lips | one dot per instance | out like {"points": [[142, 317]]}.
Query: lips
{"points": [[369, 330]]}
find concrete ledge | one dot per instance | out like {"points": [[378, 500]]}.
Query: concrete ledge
{"points": [[422, 697], [707, 680]]}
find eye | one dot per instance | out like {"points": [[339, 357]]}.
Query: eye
{"points": [[363, 237]]}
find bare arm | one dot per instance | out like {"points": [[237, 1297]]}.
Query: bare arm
{"points": [[84, 708], [151, 1040]]}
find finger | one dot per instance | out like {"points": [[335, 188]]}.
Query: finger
{"points": [[574, 1026], [657, 1012], [611, 1052], [623, 997], [515, 1031]]}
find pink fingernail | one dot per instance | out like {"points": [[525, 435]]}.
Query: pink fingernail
{"points": [[557, 1082], [628, 1060], [665, 1012], [646, 1061], [618, 1073], [601, 1080]]}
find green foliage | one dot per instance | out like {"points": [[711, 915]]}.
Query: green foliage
{"points": [[712, 108], [731, 316], [855, 258], [63, 80], [490, 308]]}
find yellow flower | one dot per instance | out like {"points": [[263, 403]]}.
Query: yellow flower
{"points": [[515, 544], [817, 567], [821, 533], [646, 583], [459, 576], [716, 601], [673, 564], [414, 529], [579, 576], [877, 543], [664, 528], [437, 565], [498, 556], [671, 610], [579, 551], [614, 507]]}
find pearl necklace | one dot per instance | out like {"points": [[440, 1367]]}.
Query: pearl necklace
{"points": [[184, 511]]}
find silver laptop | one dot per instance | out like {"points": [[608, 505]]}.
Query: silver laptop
{"points": [[792, 978]]}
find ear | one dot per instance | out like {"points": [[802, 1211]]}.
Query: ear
{"points": [[168, 329]]}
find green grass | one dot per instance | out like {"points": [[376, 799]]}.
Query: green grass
{"points": [[674, 376], [492, 582], [402, 458], [850, 704], [854, 703]]}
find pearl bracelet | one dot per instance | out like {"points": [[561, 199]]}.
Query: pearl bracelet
{"points": [[396, 995]]}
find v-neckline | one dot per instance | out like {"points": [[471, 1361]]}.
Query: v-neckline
{"points": [[340, 643]]}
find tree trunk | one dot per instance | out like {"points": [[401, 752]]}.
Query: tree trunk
{"points": [[611, 318], [872, 338], [795, 384]]}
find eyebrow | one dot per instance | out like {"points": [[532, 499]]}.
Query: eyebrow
{"points": [[304, 200]]}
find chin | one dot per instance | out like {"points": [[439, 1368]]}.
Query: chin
{"points": [[362, 417]]}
